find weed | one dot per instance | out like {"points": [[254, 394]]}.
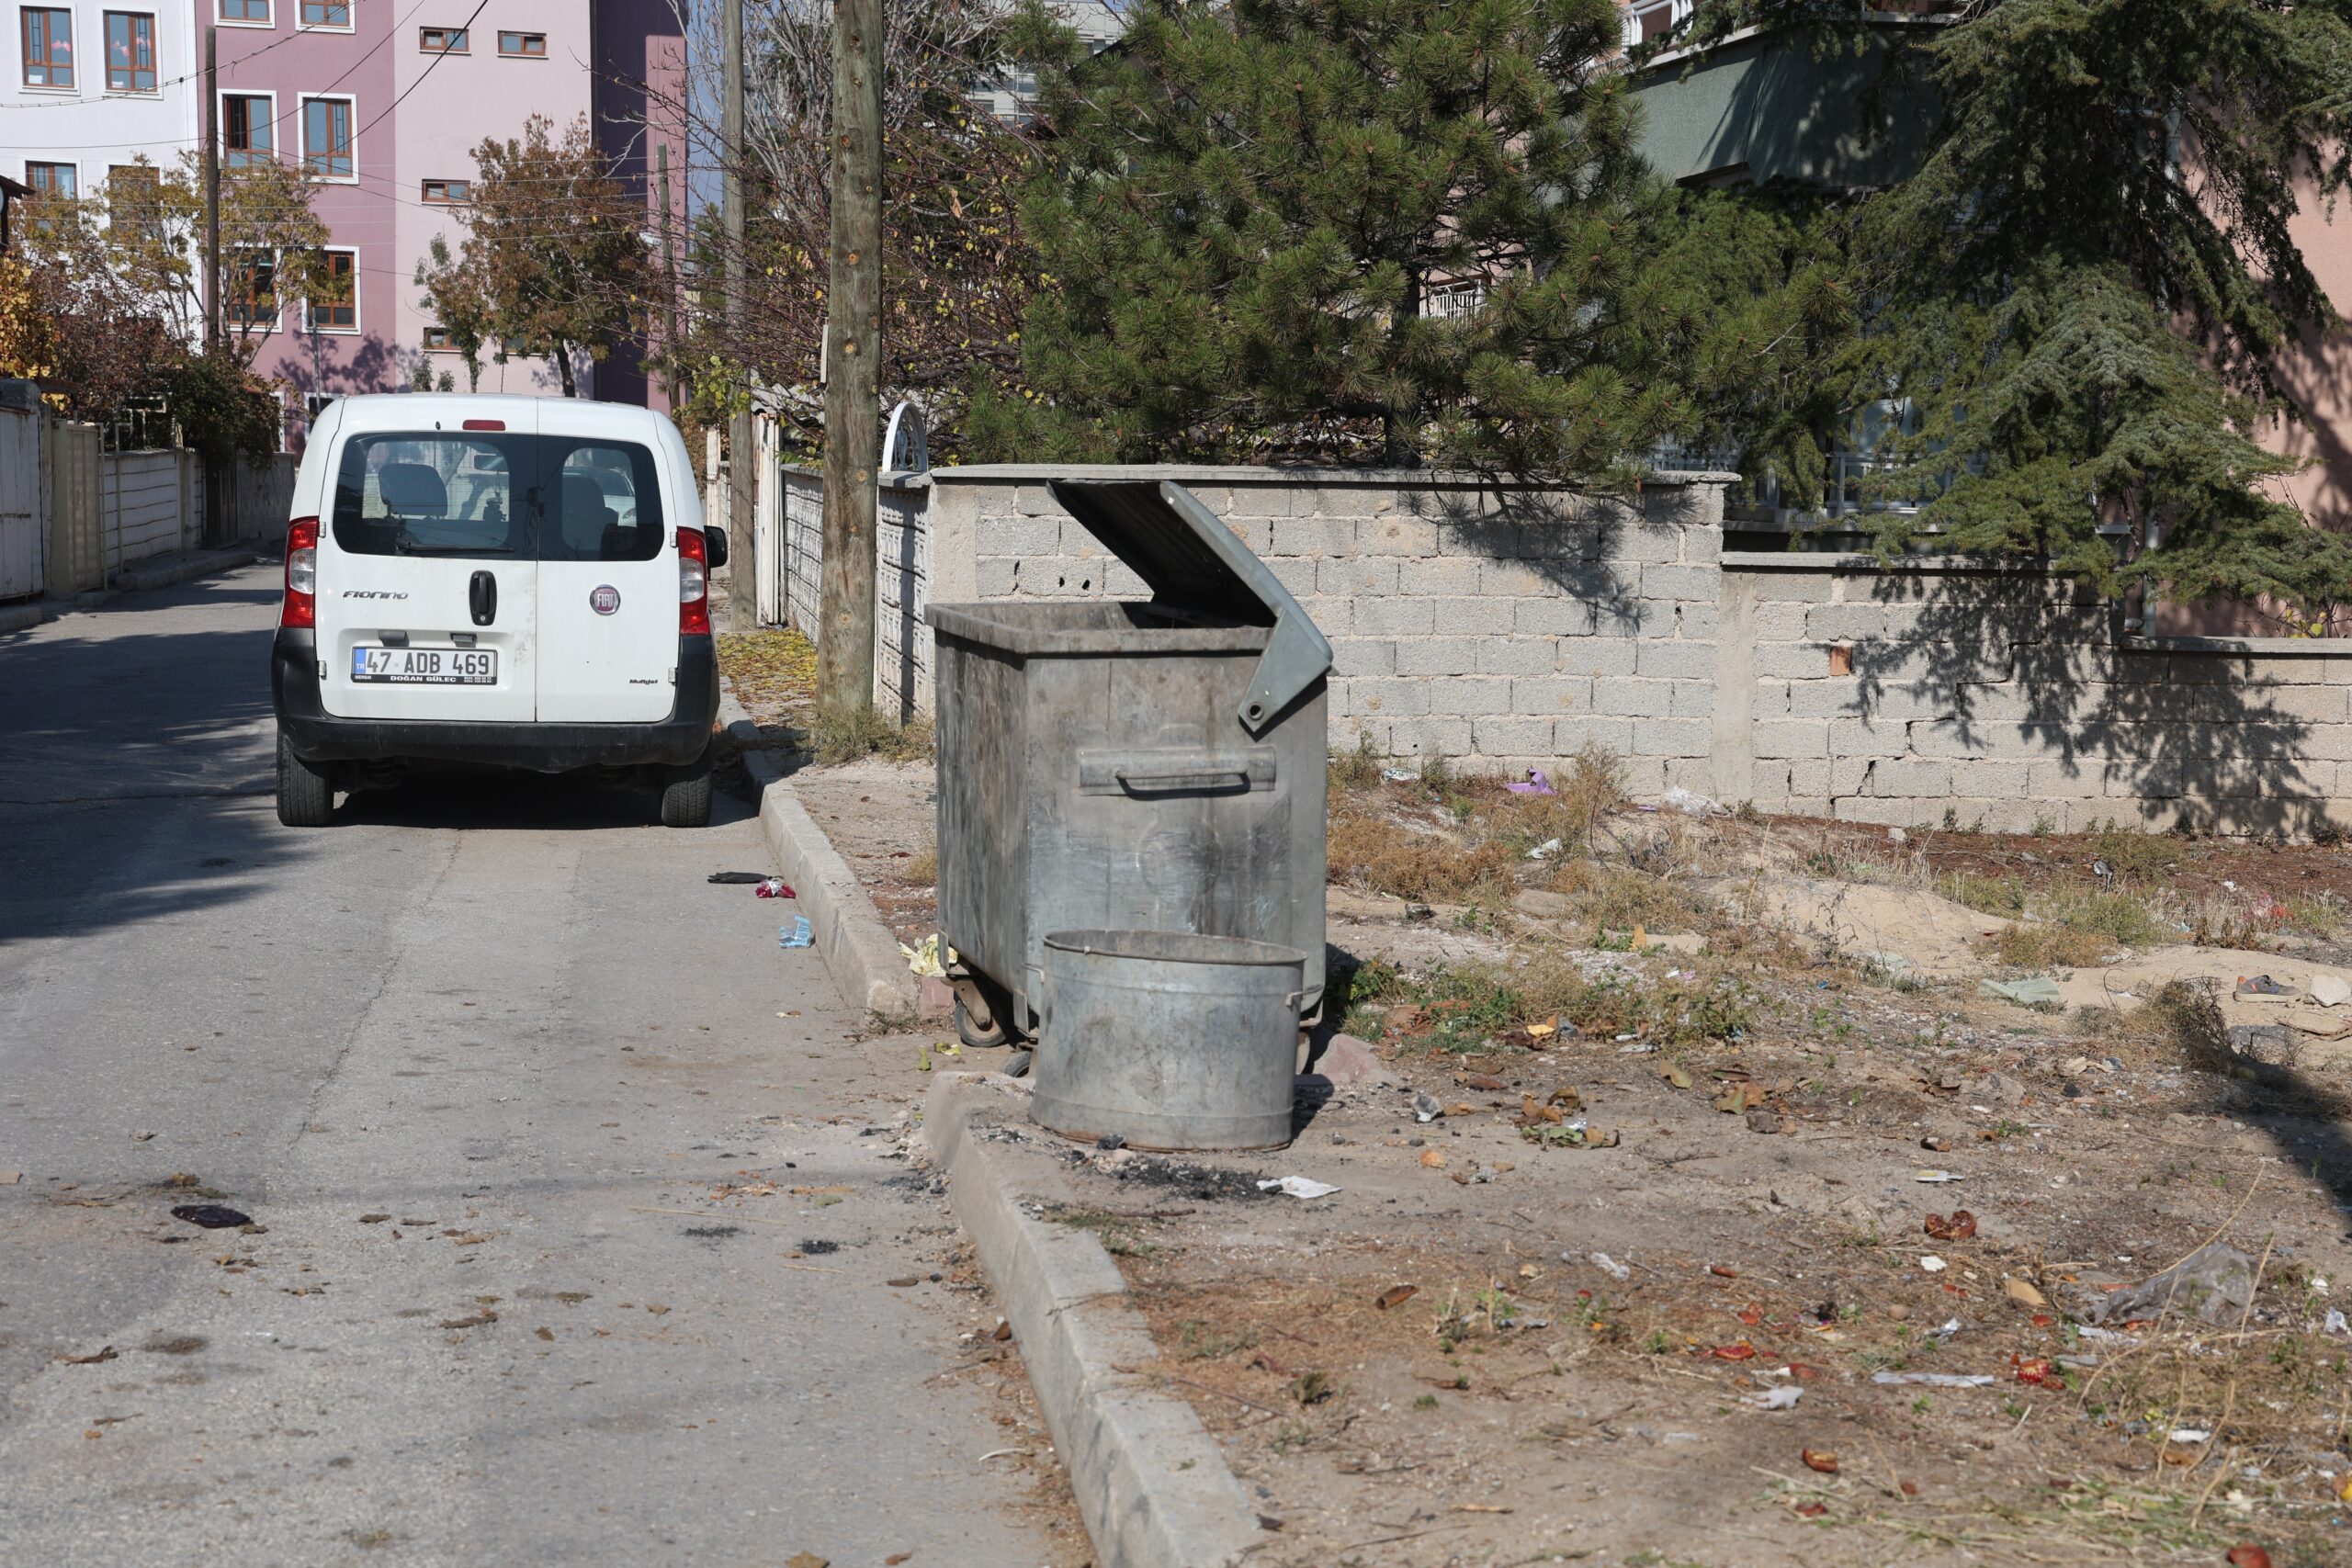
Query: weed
{"points": [[2002, 896], [2135, 856], [2044, 825], [922, 866], [1426, 1401], [1312, 1388], [864, 732], [1359, 769], [1197, 1341], [2323, 917], [1375, 853]]}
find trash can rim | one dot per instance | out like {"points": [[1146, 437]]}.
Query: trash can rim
{"points": [[1177, 947]]}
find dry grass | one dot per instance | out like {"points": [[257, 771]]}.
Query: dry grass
{"points": [[845, 737], [922, 865], [2036, 944], [1618, 898], [1375, 853]]}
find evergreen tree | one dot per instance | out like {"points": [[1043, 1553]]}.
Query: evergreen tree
{"points": [[2082, 289], [1245, 213]]}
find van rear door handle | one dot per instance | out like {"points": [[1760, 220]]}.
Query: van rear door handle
{"points": [[482, 597]]}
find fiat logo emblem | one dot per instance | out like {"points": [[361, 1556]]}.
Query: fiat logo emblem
{"points": [[605, 599]]}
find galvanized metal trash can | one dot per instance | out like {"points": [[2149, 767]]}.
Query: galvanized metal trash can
{"points": [[1116, 765], [1169, 1041]]}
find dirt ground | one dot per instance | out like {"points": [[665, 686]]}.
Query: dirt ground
{"points": [[1672, 1228]]}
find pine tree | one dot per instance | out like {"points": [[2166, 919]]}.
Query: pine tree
{"points": [[2081, 291], [1245, 215]]}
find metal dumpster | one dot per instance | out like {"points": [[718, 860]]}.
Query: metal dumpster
{"points": [[1129, 766]]}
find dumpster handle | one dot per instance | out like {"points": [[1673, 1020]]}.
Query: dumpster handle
{"points": [[1191, 778]]}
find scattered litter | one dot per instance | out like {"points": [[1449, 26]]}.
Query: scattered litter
{"points": [[1690, 803], [91, 1359], [140, 1136], [2331, 990], [1298, 1187], [1433, 1159], [800, 935], [774, 888], [2038, 990], [2334, 1323], [1536, 785], [1419, 912], [1933, 1379], [211, 1216], [1933, 1264], [10, 1178], [1785, 1397], [2246, 1554], [1943, 1331], [1821, 1459], [1400, 775], [739, 878], [1396, 1295], [1960, 1226], [924, 959], [1427, 1106], [2191, 1434], [1937, 1176], [2022, 1293], [2215, 1278], [1545, 849], [2263, 988], [1606, 1264], [1573, 1134]]}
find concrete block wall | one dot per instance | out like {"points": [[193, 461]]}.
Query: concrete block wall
{"points": [[1510, 627], [2008, 699]]}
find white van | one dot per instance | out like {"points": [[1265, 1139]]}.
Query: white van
{"points": [[517, 582]]}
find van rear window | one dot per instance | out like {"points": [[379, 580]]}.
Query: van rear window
{"points": [[476, 495], [431, 495]]}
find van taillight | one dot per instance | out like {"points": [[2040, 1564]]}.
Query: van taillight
{"points": [[301, 607], [694, 584]]}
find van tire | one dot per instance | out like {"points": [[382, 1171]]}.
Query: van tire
{"points": [[305, 792], [686, 793]]}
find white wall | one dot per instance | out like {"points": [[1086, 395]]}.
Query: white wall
{"points": [[150, 503], [87, 126]]}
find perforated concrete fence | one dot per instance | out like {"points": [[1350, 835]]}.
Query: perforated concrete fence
{"points": [[1513, 626]]}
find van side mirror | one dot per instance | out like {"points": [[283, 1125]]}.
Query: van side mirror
{"points": [[714, 543]]}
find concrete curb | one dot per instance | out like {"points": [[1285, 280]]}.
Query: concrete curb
{"points": [[131, 580], [859, 951], [187, 569], [24, 618], [1151, 1484]]}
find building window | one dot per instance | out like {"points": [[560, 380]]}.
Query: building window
{"points": [[436, 340], [522, 46], [49, 47], [1454, 301], [130, 51], [250, 294], [53, 179], [247, 133], [338, 311], [135, 198], [245, 11], [326, 13], [326, 139], [446, 193], [444, 41]]}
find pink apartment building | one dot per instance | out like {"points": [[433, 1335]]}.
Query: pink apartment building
{"points": [[383, 101]]}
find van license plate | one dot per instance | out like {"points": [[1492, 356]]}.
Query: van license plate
{"points": [[425, 666]]}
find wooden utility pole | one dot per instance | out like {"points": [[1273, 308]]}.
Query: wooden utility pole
{"points": [[215, 472], [853, 364], [211, 189], [668, 278], [742, 466]]}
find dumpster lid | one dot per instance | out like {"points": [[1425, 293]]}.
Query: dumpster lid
{"points": [[1189, 558]]}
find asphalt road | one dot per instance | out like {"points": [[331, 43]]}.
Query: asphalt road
{"points": [[453, 1056]]}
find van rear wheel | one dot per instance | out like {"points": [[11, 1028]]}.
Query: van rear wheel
{"points": [[686, 793], [305, 792]]}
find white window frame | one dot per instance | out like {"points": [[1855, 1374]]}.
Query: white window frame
{"points": [[73, 45], [72, 163], [351, 9], [221, 113], [106, 66], [302, 102], [277, 322], [309, 309], [269, 12]]}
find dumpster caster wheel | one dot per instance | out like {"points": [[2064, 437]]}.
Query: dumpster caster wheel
{"points": [[976, 1023], [1017, 1065]]}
